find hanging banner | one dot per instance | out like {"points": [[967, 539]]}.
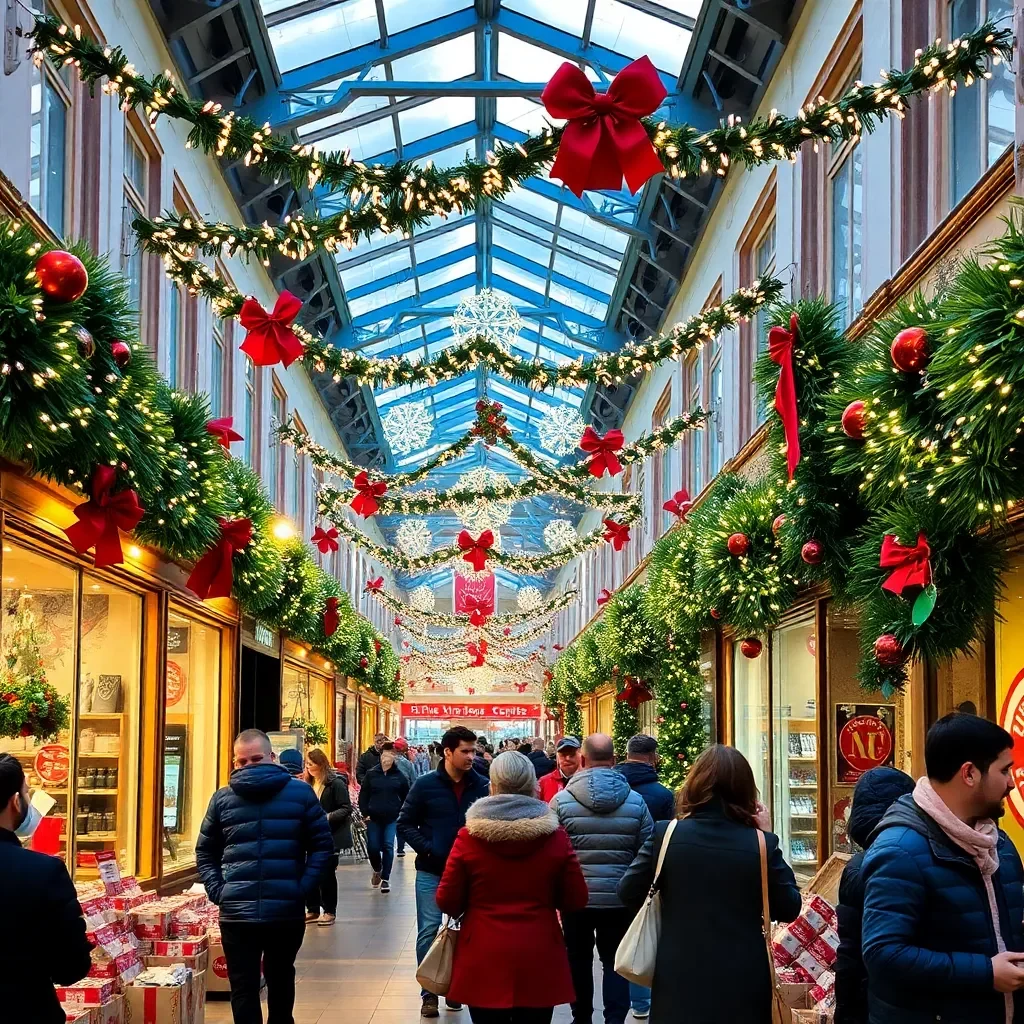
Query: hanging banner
{"points": [[864, 736], [480, 712], [473, 594]]}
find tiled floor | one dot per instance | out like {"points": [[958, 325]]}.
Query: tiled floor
{"points": [[362, 970]]}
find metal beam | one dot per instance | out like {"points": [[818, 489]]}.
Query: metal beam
{"points": [[400, 276], [387, 250], [219, 66]]}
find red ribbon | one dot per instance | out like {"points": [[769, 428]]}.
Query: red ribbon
{"points": [[602, 451], [604, 597], [475, 551], [365, 501], [679, 504], [270, 337], [478, 652], [221, 429], [478, 609], [635, 693], [213, 575], [325, 540], [605, 141], [911, 566], [103, 516], [780, 350], [374, 585], [331, 617], [616, 533]]}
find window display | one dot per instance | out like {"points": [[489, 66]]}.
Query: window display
{"points": [[305, 699], [750, 713]]}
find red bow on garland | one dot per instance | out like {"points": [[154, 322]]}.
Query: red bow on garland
{"points": [[270, 338], [325, 540], [375, 585], [780, 350], [213, 575], [103, 516], [221, 429], [478, 652], [616, 533], [635, 693], [365, 501], [331, 617], [478, 610], [605, 140], [679, 504], [604, 597], [911, 566], [475, 551], [602, 451], [521, 687]]}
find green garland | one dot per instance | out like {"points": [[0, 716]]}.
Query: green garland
{"points": [[681, 712], [508, 619]]}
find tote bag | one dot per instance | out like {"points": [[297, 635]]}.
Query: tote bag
{"points": [[638, 950], [435, 970], [781, 1013]]}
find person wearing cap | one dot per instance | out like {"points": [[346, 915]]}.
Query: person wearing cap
{"points": [[408, 769], [292, 760], [567, 763]]}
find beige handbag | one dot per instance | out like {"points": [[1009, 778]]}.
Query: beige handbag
{"points": [[638, 950], [435, 970], [781, 1013]]}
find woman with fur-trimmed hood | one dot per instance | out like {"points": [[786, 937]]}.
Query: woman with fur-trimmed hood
{"points": [[511, 870]]}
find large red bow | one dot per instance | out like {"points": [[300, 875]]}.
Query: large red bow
{"points": [[221, 429], [103, 516], [325, 540], [679, 504], [367, 493], [604, 597], [374, 585], [270, 338], [602, 451], [605, 141], [635, 693], [475, 551], [478, 652], [780, 350], [616, 533], [331, 617], [911, 566], [213, 575], [478, 609]]}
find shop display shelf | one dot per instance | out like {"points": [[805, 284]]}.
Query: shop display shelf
{"points": [[803, 832], [96, 792], [108, 754], [813, 787], [102, 714], [97, 837], [809, 760]]}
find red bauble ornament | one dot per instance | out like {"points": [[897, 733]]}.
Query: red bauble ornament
{"points": [[683, 706], [812, 552], [853, 420], [85, 341], [738, 544], [62, 276], [909, 350], [751, 647], [122, 353], [398, 620], [888, 650], [778, 523], [364, 662], [715, 613]]}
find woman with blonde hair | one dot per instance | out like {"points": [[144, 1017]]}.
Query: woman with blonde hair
{"points": [[332, 792], [510, 872]]}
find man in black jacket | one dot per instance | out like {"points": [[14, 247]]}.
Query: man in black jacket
{"points": [[370, 757], [431, 817], [42, 934], [261, 850], [542, 764]]}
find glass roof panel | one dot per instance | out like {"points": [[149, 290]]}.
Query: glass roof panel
{"points": [[525, 62], [445, 274], [579, 223], [634, 33], [584, 273], [452, 59], [356, 279], [363, 142], [536, 205], [435, 116], [382, 297], [523, 115], [438, 245], [402, 14], [504, 216], [314, 36], [516, 243], [567, 15], [573, 299], [518, 276]]}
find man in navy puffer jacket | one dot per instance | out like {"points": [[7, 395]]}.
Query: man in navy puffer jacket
{"points": [[261, 849]]}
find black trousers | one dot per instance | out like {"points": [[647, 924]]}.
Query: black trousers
{"points": [[517, 1015], [581, 929], [276, 943], [325, 895]]}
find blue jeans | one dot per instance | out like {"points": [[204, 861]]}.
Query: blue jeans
{"points": [[428, 914], [380, 846], [640, 998]]}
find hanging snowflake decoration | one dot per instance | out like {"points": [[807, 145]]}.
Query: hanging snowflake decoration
{"points": [[408, 427], [421, 599], [484, 514], [560, 430], [488, 315], [414, 538], [529, 599], [560, 534]]}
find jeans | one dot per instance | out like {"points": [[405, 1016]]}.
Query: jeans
{"points": [[325, 895], [639, 998], [276, 943], [428, 914], [581, 929], [517, 1015], [380, 846]]}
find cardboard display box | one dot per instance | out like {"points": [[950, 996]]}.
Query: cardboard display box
{"points": [[155, 1004], [197, 963], [217, 975]]}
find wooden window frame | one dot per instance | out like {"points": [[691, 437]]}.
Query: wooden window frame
{"points": [[187, 371], [148, 205], [299, 507], [276, 457], [661, 490], [252, 430]]}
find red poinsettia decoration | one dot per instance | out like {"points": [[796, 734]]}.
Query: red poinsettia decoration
{"points": [[602, 451], [221, 429], [679, 504], [635, 692], [325, 540], [367, 492], [617, 534], [271, 338], [374, 585], [476, 551], [604, 597], [331, 617]]}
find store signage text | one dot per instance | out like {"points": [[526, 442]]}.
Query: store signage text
{"points": [[483, 712], [263, 635], [865, 739]]}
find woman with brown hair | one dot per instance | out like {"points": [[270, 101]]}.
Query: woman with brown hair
{"points": [[712, 963], [332, 792]]}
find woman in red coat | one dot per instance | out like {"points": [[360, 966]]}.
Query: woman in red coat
{"points": [[511, 870]]}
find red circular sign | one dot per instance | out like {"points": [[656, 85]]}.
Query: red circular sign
{"points": [[53, 763], [220, 967], [1011, 718], [176, 682], [865, 742]]}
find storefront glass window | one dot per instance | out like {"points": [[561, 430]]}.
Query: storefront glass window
{"points": [[750, 703], [294, 694], [191, 735]]}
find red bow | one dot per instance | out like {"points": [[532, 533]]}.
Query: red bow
{"points": [[604, 597], [270, 338], [616, 533], [911, 566], [478, 610], [679, 504], [325, 540], [475, 551], [102, 517], [478, 652], [213, 575], [331, 618], [780, 350], [602, 451], [605, 141], [506, 631], [521, 687], [374, 585], [365, 501], [221, 429], [635, 693]]}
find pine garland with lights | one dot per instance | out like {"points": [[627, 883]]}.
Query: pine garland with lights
{"points": [[681, 697]]}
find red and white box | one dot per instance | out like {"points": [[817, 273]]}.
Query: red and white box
{"points": [[820, 912], [85, 993], [112, 1011], [151, 922], [806, 962], [180, 947]]}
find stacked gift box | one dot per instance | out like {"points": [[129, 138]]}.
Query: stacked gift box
{"points": [[805, 951]]}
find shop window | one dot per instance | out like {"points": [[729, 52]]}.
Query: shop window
{"points": [[175, 330], [694, 438], [191, 734], [218, 362], [661, 465], [297, 507], [846, 238], [764, 263], [51, 121], [249, 444], [751, 720], [137, 176], [275, 467], [714, 429]]}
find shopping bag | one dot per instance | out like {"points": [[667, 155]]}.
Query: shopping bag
{"points": [[638, 950], [435, 970]]}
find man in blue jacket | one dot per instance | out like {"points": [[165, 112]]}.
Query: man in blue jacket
{"points": [[431, 817], [261, 849], [942, 935]]}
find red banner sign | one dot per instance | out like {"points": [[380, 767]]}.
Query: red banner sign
{"points": [[53, 763], [864, 738], [480, 712]]}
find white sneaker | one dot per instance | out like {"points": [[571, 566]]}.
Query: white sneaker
{"points": [[385, 886], [641, 1014]]}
